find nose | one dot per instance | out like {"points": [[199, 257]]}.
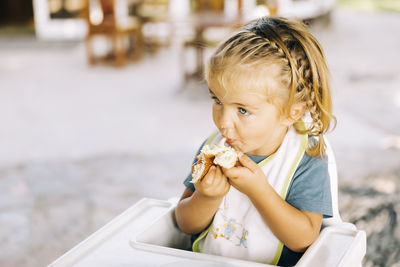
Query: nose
{"points": [[226, 122]]}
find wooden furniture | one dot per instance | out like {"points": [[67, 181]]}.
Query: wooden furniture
{"points": [[124, 31], [207, 14], [157, 31]]}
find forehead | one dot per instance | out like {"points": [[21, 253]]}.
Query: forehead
{"points": [[245, 80]]}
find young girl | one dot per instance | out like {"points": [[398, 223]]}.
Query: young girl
{"points": [[268, 208]]}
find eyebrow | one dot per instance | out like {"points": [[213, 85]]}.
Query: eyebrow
{"points": [[236, 103]]}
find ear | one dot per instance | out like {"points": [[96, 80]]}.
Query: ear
{"points": [[296, 111]]}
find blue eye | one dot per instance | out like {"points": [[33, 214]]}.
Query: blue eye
{"points": [[216, 100], [243, 111]]}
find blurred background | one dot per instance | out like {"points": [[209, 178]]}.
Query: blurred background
{"points": [[102, 103]]}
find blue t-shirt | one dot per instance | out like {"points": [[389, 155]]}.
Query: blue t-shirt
{"points": [[309, 190]]}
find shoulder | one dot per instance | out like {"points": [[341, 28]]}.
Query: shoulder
{"points": [[310, 187], [312, 165], [311, 177]]}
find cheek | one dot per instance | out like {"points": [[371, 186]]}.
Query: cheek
{"points": [[216, 114], [254, 128], [248, 128], [250, 122]]}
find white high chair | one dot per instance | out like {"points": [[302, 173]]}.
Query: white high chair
{"points": [[147, 235]]}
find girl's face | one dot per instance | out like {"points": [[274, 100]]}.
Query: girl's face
{"points": [[245, 118]]}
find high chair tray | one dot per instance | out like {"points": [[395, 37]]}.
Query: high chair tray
{"points": [[110, 245], [164, 237], [146, 235]]}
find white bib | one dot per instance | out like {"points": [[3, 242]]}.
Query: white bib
{"points": [[238, 230]]}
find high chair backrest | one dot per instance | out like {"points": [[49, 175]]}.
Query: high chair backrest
{"points": [[336, 219]]}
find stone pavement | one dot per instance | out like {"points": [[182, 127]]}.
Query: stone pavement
{"points": [[79, 145]]}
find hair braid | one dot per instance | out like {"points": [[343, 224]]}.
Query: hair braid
{"points": [[307, 91]]}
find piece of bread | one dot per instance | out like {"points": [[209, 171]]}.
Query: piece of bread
{"points": [[220, 154]]}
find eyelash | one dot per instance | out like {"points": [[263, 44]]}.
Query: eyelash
{"points": [[216, 100], [241, 110]]}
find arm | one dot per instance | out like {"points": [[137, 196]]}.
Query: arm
{"points": [[295, 228], [195, 210]]}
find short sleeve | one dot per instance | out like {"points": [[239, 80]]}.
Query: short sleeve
{"points": [[310, 187], [187, 182]]}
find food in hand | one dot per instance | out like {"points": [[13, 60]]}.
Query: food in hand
{"points": [[220, 154]]}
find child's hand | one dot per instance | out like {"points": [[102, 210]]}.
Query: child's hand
{"points": [[247, 178], [214, 184]]}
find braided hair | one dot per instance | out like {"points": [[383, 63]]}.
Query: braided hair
{"points": [[272, 41]]}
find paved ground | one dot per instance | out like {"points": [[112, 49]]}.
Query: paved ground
{"points": [[79, 145]]}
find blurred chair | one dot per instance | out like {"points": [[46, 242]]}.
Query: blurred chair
{"points": [[211, 23], [110, 19], [154, 15]]}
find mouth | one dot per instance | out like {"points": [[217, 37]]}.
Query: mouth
{"points": [[230, 141]]}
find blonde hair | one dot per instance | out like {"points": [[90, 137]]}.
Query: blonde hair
{"points": [[272, 41]]}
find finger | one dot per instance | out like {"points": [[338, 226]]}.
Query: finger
{"points": [[236, 172], [210, 176], [247, 162], [219, 176], [218, 171], [223, 181], [227, 185]]}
